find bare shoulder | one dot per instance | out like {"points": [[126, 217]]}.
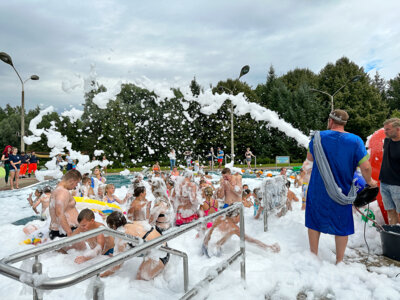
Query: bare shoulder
{"points": [[98, 224], [61, 194]]}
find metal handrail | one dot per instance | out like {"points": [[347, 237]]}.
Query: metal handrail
{"points": [[71, 279], [195, 290]]}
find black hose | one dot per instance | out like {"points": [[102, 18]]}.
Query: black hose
{"points": [[365, 239]]}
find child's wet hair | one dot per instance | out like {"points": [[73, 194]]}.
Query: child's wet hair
{"points": [[47, 189]]}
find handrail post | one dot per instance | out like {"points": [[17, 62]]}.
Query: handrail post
{"points": [[185, 273], [37, 268], [265, 212], [265, 217], [242, 246], [98, 288], [185, 264]]}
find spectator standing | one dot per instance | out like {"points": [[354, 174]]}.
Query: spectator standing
{"points": [[172, 158], [188, 158], [33, 164], [59, 160], [105, 162], [24, 165], [220, 156], [390, 170], [6, 161], [210, 157], [70, 162], [15, 163], [248, 156]]}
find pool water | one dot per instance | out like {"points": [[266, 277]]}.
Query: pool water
{"points": [[119, 180], [247, 174]]}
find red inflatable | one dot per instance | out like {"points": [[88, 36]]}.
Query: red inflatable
{"points": [[376, 153]]}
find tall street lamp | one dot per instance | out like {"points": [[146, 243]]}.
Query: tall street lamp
{"points": [[7, 59], [245, 69], [353, 79]]}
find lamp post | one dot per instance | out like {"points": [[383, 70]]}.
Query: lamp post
{"points": [[245, 69], [353, 79], [7, 59]]}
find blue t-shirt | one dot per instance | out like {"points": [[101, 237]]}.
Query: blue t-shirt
{"points": [[24, 159], [33, 159], [14, 158], [220, 154], [344, 152]]}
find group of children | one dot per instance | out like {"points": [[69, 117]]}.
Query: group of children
{"points": [[156, 205]]}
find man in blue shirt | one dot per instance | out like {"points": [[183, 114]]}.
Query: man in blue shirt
{"points": [[344, 152]]}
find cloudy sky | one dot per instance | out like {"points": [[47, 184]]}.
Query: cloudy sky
{"points": [[173, 41]]}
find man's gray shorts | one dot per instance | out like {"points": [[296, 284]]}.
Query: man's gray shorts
{"points": [[390, 196]]}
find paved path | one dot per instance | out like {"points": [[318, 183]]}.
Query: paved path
{"points": [[24, 182]]}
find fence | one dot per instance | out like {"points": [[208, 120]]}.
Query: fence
{"points": [[40, 282]]}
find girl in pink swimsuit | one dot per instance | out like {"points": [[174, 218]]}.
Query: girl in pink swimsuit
{"points": [[210, 205]]}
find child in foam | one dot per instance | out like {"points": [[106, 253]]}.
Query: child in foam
{"points": [[210, 204], [98, 245], [246, 198], [227, 227], [43, 199], [109, 196], [100, 192], [38, 193], [97, 175], [156, 167], [175, 172], [305, 178], [186, 199], [154, 262], [86, 189], [257, 203], [290, 197], [139, 209], [162, 213]]}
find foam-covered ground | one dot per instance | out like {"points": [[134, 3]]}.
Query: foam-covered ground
{"points": [[269, 275]]}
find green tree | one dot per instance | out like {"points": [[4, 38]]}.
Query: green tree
{"points": [[393, 93], [195, 87], [360, 99]]}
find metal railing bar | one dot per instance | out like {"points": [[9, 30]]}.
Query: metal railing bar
{"points": [[185, 264], [221, 267], [52, 246], [13, 258], [68, 280]]}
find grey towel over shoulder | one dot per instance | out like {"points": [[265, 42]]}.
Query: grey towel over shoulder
{"points": [[329, 181]]}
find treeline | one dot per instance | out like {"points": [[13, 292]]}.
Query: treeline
{"points": [[138, 128]]}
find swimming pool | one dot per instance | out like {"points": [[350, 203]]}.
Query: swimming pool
{"points": [[119, 180]]}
